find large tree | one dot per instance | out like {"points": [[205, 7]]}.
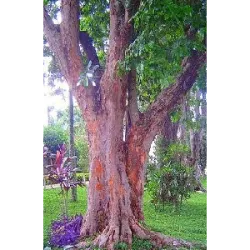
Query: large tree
{"points": [[119, 133]]}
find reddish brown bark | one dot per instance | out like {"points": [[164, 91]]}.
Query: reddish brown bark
{"points": [[116, 166]]}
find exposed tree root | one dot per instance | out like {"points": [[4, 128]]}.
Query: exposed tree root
{"points": [[158, 239], [124, 233]]}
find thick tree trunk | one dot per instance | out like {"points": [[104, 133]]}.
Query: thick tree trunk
{"points": [[116, 185], [136, 156], [109, 209]]}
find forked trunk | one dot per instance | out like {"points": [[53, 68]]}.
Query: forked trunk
{"points": [[112, 204], [116, 184]]}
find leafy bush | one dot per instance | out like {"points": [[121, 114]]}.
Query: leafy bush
{"points": [[142, 244], [121, 246], [170, 184], [80, 138], [54, 135], [173, 182], [82, 176], [82, 150], [136, 244], [65, 231]]}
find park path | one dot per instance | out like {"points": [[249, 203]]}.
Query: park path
{"points": [[58, 185]]}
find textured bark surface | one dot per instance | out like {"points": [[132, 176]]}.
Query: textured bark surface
{"points": [[117, 162]]}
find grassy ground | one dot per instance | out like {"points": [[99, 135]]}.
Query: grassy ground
{"points": [[189, 223]]}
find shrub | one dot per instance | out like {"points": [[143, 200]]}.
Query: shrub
{"points": [[173, 182], [54, 135], [121, 246], [63, 172], [142, 244], [82, 150], [65, 231]]}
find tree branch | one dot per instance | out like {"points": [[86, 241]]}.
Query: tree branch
{"points": [[64, 43], [116, 20], [87, 44], [64, 40], [70, 39], [53, 36], [173, 95], [132, 97], [131, 8], [132, 111]]}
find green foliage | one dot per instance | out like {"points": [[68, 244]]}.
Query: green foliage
{"points": [[80, 138], [81, 176], [173, 30], [59, 133], [95, 20], [82, 149], [170, 185], [139, 244], [52, 208], [201, 81], [203, 152], [45, 2], [173, 181], [176, 115], [175, 152], [121, 246], [54, 135], [63, 172]]}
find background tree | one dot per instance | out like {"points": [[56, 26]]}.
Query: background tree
{"points": [[54, 80], [72, 140], [107, 97], [188, 126], [53, 136]]}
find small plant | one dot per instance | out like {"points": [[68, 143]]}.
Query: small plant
{"points": [[65, 231], [63, 173], [121, 246], [142, 244]]}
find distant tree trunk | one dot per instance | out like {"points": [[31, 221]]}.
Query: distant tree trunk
{"points": [[195, 145], [203, 153], [182, 127], [168, 135], [71, 140]]}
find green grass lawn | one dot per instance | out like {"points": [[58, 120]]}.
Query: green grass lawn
{"points": [[189, 223]]}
